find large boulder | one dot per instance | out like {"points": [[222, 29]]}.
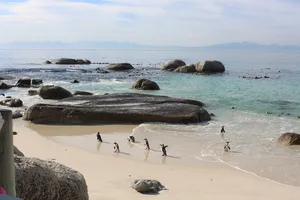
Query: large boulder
{"points": [[118, 108], [39, 179], [70, 61], [82, 93], [4, 86], [186, 69], [120, 66], [147, 186], [12, 102], [173, 64], [145, 84], [206, 66], [289, 139], [53, 92]]}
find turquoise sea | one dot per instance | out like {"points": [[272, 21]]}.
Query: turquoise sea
{"points": [[263, 108]]}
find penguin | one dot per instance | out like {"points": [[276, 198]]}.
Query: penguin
{"points": [[222, 129], [163, 149], [99, 137], [116, 148], [226, 147], [131, 139], [147, 144]]}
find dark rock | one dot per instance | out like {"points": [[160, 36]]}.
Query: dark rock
{"points": [[70, 61], [186, 69], [147, 186], [145, 84], [102, 71], [82, 93], [32, 92], [53, 92], [36, 81], [212, 115], [289, 139], [210, 66], [120, 66], [38, 179], [15, 133], [12, 102], [4, 86], [17, 152], [17, 114], [8, 97], [118, 108], [173, 64], [75, 81], [47, 62], [232, 107], [26, 83]]}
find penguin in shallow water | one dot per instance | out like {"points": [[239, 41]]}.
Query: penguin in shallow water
{"points": [[116, 148], [147, 144], [131, 139], [163, 149], [226, 147], [222, 129], [99, 137]]}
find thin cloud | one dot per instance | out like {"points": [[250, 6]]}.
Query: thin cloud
{"points": [[159, 22]]}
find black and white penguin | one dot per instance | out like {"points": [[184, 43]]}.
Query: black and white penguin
{"points": [[147, 144], [163, 149]]}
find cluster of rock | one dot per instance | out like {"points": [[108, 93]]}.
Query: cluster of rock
{"points": [[200, 67], [24, 83], [68, 61], [118, 108], [39, 179]]}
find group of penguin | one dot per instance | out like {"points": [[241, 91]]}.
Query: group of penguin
{"points": [[132, 139]]}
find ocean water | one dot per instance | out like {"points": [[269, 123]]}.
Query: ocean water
{"points": [[263, 108]]}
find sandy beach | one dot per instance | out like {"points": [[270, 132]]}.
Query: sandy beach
{"points": [[108, 177]]}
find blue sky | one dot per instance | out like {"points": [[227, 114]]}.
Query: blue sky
{"points": [[157, 22]]}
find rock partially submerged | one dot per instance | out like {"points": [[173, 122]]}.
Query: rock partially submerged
{"points": [[4, 86], [173, 64], [27, 82], [207, 66], [120, 66], [53, 92], [145, 84], [68, 61], [38, 179], [82, 93], [147, 186], [118, 108], [186, 69], [289, 139]]}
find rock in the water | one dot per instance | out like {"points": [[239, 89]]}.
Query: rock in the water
{"points": [[32, 92], [53, 92], [4, 86], [75, 81], [147, 186], [36, 81], [210, 66], [47, 62], [17, 152], [289, 139], [82, 93], [24, 83], [38, 179], [70, 61], [120, 66], [145, 84], [17, 114], [118, 108], [186, 69], [173, 64], [12, 102]]}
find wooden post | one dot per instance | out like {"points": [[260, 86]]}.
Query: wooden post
{"points": [[7, 166]]}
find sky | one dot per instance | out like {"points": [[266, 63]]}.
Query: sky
{"points": [[152, 22]]}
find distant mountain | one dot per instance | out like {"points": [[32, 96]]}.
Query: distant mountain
{"points": [[129, 45]]}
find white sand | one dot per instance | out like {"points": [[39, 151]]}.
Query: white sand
{"points": [[108, 177]]}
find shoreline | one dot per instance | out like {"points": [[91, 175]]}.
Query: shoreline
{"points": [[104, 174]]}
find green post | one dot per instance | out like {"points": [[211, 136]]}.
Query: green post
{"points": [[7, 166]]}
